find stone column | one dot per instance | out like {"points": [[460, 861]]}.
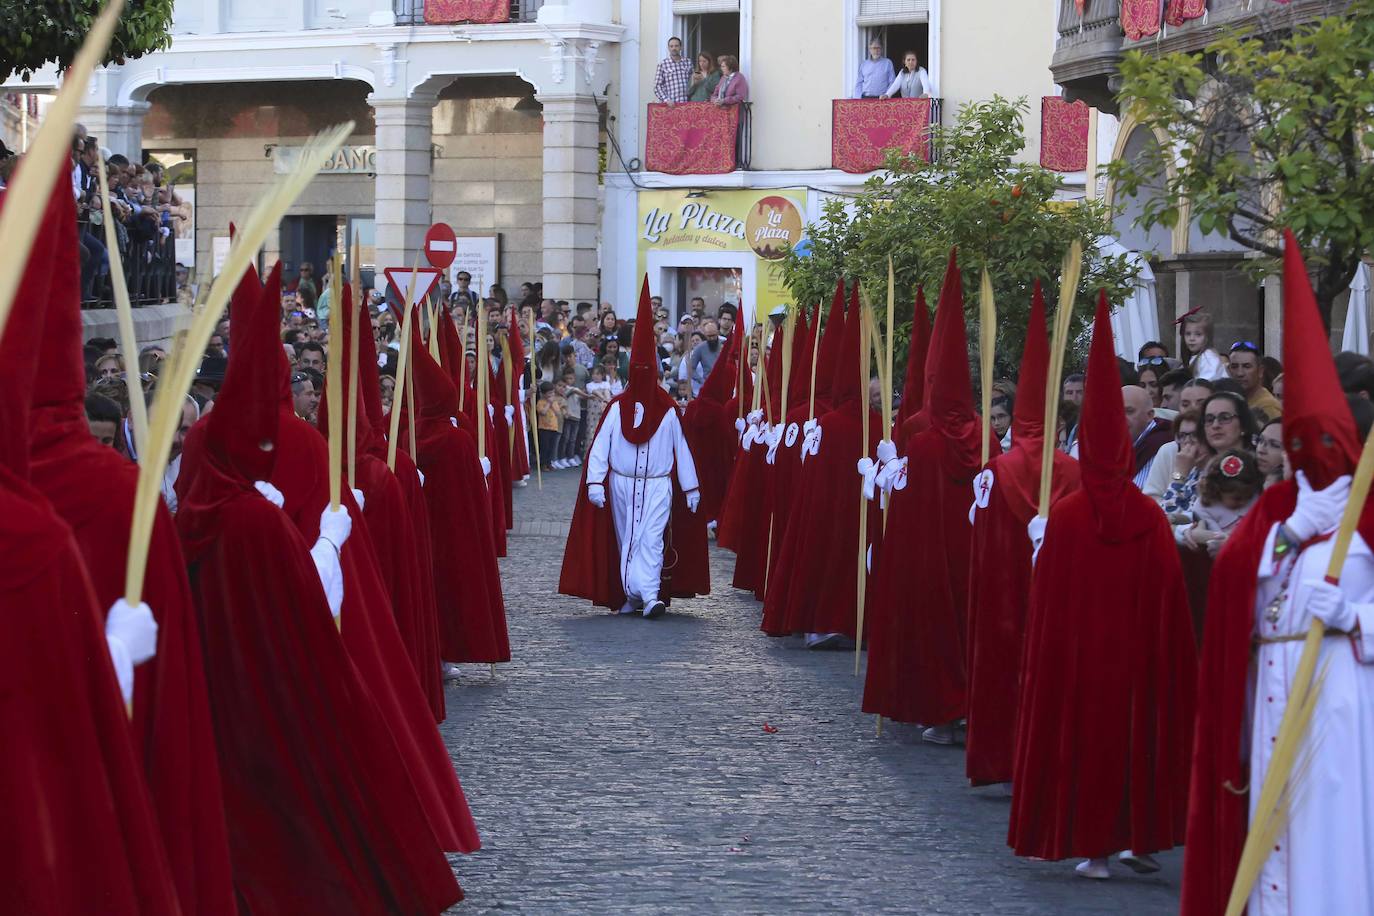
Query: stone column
{"points": [[404, 142], [571, 134], [118, 128]]}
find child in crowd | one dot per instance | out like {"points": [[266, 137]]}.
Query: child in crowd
{"points": [[683, 393], [1203, 359], [550, 422], [572, 421], [1229, 486], [598, 396]]}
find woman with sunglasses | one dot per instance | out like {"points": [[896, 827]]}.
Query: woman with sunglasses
{"points": [[1228, 423]]}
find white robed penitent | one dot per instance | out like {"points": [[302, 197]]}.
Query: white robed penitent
{"points": [[641, 495], [1324, 862]]}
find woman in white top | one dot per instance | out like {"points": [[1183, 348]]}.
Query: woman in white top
{"points": [[912, 82]]}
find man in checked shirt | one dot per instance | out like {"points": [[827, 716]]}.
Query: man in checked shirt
{"points": [[673, 76]]}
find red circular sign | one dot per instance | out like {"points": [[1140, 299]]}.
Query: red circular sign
{"points": [[441, 245]]}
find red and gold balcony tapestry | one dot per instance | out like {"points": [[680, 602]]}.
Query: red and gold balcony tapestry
{"points": [[1063, 134], [1180, 11], [863, 130], [442, 12], [691, 138], [1140, 18]]}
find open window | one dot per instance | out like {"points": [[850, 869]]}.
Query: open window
{"points": [[900, 25], [712, 26]]}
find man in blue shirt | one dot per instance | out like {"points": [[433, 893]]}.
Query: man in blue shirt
{"points": [[875, 74]]}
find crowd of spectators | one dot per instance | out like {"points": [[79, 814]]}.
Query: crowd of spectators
{"points": [[147, 214], [1205, 447]]}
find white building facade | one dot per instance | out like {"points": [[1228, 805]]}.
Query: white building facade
{"points": [[533, 131]]}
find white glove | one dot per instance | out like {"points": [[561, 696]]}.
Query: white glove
{"points": [[596, 495], [887, 451], [491, 411], [774, 440], [739, 425], [1036, 529], [1317, 510], [868, 470], [270, 493], [421, 474], [359, 498], [693, 500], [510, 414], [892, 475], [1327, 603], [131, 635], [486, 466], [335, 526]]}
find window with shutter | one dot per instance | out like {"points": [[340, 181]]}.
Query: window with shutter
{"points": [[883, 12], [697, 7]]}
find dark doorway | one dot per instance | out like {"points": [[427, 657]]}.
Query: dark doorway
{"points": [[899, 38], [714, 33], [307, 238]]}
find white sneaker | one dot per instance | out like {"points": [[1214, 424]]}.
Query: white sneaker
{"points": [[821, 641], [1093, 868], [939, 734], [654, 609], [577, 462], [450, 671], [627, 608], [1140, 864], [557, 464], [522, 482]]}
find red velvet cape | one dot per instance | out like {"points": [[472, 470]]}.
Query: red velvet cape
{"points": [[814, 587], [408, 476], [322, 814], [998, 596], [1109, 674], [402, 559], [467, 581], [92, 488], [80, 834], [591, 559], [499, 448], [710, 432], [786, 470], [919, 591], [370, 634], [744, 525]]}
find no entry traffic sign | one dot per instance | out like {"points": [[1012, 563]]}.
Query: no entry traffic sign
{"points": [[441, 245]]}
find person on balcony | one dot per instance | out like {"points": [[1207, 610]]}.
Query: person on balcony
{"points": [[671, 79], [875, 74], [705, 78], [733, 88], [912, 83]]}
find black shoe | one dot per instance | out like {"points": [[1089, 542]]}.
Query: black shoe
{"points": [[654, 609]]}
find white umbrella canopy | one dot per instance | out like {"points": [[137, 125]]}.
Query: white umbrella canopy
{"points": [[1356, 336], [1135, 321]]}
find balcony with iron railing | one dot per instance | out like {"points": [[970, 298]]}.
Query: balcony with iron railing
{"points": [[412, 12], [1092, 39]]}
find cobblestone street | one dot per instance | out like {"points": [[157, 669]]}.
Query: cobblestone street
{"points": [[622, 765]]}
